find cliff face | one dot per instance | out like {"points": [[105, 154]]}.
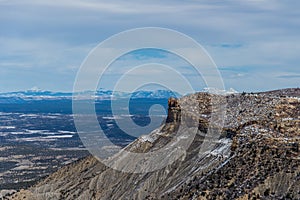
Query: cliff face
{"points": [[256, 156], [174, 111]]}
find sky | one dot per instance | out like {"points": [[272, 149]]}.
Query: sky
{"points": [[254, 43]]}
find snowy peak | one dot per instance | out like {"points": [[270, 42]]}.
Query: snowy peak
{"points": [[37, 94], [158, 94]]}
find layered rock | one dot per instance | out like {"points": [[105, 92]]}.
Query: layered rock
{"points": [[256, 155], [174, 111]]}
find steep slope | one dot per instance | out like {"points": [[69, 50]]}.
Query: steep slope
{"points": [[255, 157]]}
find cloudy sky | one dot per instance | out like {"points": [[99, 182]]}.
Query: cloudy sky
{"points": [[254, 43]]}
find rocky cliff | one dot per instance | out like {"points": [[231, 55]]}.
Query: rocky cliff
{"points": [[255, 156]]}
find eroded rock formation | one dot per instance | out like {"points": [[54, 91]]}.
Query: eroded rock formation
{"points": [[174, 110], [256, 156]]}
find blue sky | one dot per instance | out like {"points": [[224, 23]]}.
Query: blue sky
{"points": [[254, 43]]}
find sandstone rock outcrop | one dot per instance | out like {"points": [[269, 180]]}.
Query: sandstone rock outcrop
{"points": [[174, 110], [255, 157]]}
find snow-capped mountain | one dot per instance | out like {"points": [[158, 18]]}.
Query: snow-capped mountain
{"points": [[158, 94], [20, 96], [34, 93]]}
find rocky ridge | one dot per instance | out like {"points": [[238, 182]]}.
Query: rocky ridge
{"points": [[256, 156]]}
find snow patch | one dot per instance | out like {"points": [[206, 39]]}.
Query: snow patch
{"points": [[219, 91], [147, 138], [7, 127]]}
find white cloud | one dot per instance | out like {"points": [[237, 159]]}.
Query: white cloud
{"points": [[57, 35], [38, 53], [119, 7]]}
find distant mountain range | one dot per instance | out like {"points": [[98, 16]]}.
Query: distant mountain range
{"points": [[20, 96], [37, 94]]}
